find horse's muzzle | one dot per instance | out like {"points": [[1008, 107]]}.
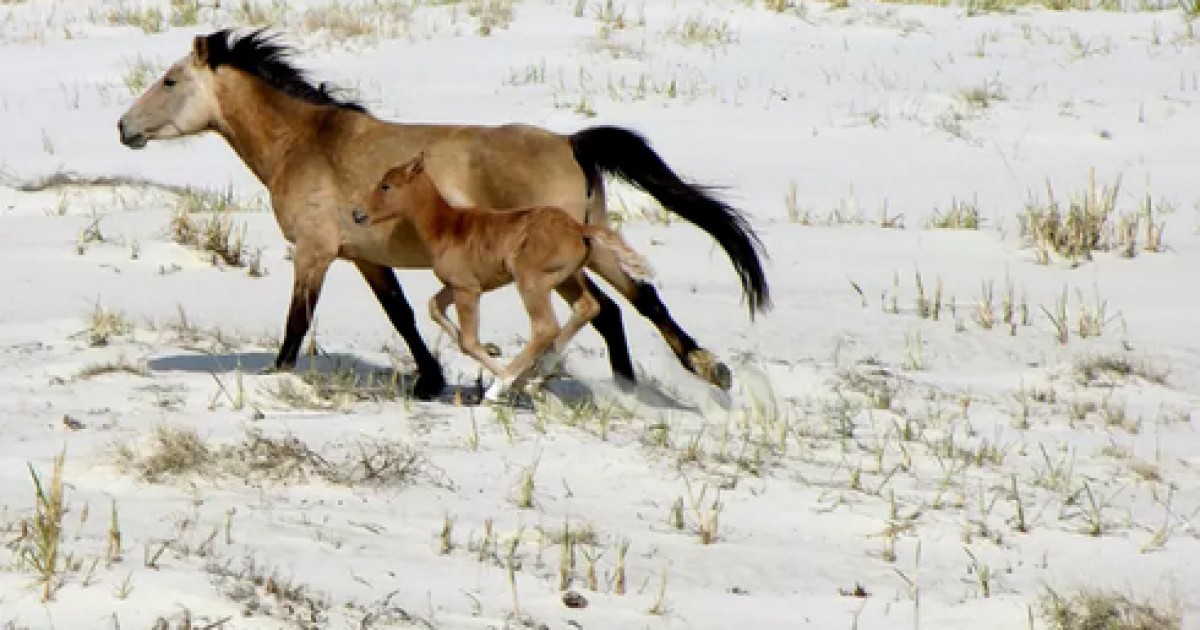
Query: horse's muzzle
{"points": [[131, 140]]}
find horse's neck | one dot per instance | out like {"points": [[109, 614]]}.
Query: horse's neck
{"points": [[265, 126]]}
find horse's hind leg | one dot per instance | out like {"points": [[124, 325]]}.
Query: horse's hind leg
{"points": [[611, 327], [608, 323], [645, 299], [383, 283]]}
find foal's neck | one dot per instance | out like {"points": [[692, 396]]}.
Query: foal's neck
{"points": [[428, 210]]}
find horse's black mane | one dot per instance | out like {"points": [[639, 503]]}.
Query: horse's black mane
{"points": [[262, 56]]}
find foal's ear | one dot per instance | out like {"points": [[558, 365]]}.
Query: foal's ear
{"points": [[417, 166], [200, 50]]}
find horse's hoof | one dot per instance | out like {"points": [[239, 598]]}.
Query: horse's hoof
{"points": [[627, 384], [275, 369], [705, 365], [429, 385]]}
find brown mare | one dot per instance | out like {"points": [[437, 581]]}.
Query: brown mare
{"points": [[314, 152], [476, 250]]}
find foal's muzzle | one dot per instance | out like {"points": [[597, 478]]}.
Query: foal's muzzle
{"points": [[131, 140]]}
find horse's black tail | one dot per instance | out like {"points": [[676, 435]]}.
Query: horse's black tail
{"points": [[627, 155]]}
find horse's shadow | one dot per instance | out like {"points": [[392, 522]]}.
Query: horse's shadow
{"points": [[568, 390]]}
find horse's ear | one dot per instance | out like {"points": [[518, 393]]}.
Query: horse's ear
{"points": [[200, 50]]}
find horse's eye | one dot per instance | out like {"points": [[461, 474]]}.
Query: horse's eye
{"points": [[387, 187], [169, 82]]}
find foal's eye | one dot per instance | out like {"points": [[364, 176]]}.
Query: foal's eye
{"points": [[169, 82]]}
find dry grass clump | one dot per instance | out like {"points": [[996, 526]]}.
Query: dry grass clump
{"points": [[976, 7], [343, 384], [263, 592], [252, 13], [175, 452], [1107, 369], [120, 366], [1096, 610], [701, 31], [104, 325], [1072, 231], [492, 14], [216, 234], [140, 74], [43, 537], [961, 215], [1089, 222], [152, 19], [341, 20], [171, 452]]}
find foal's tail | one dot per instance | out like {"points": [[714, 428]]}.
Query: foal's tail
{"points": [[630, 261], [625, 154]]}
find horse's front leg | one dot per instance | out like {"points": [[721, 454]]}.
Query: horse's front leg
{"points": [[311, 263], [382, 280]]}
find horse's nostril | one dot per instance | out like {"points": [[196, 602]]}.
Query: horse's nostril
{"points": [[121, 126]]}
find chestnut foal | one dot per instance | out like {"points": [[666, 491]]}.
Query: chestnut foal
{"points": [[477, 250]]}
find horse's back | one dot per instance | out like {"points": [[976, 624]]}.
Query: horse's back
{"points": [[507, 167]]}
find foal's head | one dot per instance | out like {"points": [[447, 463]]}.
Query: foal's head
{"points": [[399, 193], [185, 100]]}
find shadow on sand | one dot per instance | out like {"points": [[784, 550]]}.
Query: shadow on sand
{"points": [[567, 389]]}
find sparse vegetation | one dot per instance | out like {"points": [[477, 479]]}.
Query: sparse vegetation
{"points": [[139, 74], [121, 366], [1089, 222], [341, 19], [104, 325], [491, 14], [1097, 610], [930, 425], [215, 233], [961, 215], [41, 552], [701, 31], [179, 452]]}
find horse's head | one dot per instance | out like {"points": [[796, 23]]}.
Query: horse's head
{"points": [[180, 103]]}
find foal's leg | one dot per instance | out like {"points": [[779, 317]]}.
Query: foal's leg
{"points": [[437, 312], [609, 324], [383, 283], [543, 325], [466, 302], [584, 309]]}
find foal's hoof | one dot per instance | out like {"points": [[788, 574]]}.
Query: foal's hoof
{"points": [[705, 365], [550, 365], [496, 390], [428, 385]]}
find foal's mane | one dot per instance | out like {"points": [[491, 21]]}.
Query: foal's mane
{"points": [[261, 55]]}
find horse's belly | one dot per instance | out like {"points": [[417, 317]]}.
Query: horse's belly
{"points": [[389, 252]]}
